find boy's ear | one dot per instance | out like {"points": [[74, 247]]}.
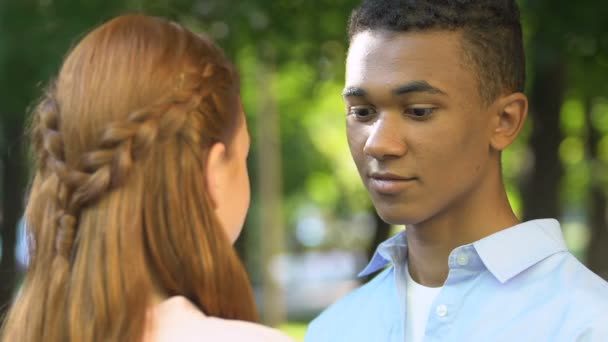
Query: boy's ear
{"points": [[511, 114], [216, 162]]}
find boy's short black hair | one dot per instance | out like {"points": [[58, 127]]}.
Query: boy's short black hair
{"points": [[492, 35]]}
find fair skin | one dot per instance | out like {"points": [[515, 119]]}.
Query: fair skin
{"points": [[426, 145], [228, 180]]}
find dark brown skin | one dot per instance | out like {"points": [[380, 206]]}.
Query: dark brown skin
{"points": [[425, 143]]}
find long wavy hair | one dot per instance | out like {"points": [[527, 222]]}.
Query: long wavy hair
{"points": [[118, 207]]}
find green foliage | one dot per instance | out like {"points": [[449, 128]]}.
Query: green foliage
{"points": [[295, 330], [599, 115], [572, 117], [302, 45]]}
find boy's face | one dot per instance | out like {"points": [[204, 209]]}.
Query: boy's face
{"points": [[417, 127]]}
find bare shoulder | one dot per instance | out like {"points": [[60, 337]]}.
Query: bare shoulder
{"points": [[218, 329], [177, 319]]}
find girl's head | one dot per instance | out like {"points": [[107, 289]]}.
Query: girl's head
{"points": [[140, 185]]}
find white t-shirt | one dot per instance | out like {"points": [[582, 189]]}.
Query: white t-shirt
{"points": [[419, 301], [177, 319]]}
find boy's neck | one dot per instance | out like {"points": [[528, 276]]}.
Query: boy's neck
{"points": [[431, 242]]}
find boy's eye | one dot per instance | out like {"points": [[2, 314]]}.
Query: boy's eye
{"points": [[362, 112], [420, 112]]}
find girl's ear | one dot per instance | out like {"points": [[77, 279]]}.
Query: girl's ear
{"points": [[216, 173]]}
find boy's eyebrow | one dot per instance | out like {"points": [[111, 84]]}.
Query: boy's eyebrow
{"points": [[353, 92], [420, 86], [417, 87]]}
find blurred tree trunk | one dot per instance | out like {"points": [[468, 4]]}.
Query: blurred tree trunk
{"points": [[597, 253], [15, 92], [382, 232], [270, 186], [241, 244], [13, 175], [541, 189]]}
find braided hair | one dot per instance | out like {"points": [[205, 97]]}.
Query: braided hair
{"points": [[118, 206]]}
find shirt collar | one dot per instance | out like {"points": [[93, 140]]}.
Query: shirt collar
{"points": [[505, 253], [390, 251], [512, 251]]}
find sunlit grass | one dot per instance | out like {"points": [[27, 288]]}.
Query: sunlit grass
{"points": [[294, 329]]}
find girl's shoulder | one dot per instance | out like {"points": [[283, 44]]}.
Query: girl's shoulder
{"points": [[177, 319]]}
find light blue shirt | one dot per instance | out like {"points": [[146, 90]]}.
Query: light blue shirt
{"points": [[520, 284]]}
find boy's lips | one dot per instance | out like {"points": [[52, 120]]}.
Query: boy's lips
{"points": [[387, 183]]}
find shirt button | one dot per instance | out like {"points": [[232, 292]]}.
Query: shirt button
{"points": [[462, 259], [442, 310]]}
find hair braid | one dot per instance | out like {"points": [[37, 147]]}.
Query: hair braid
{"points": [[101, 170], [119, 205], [52, 156]]}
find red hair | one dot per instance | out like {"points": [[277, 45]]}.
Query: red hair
{"points": [[118, 207]]}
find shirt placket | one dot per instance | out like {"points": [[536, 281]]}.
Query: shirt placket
{"points": [[446, 307]]}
